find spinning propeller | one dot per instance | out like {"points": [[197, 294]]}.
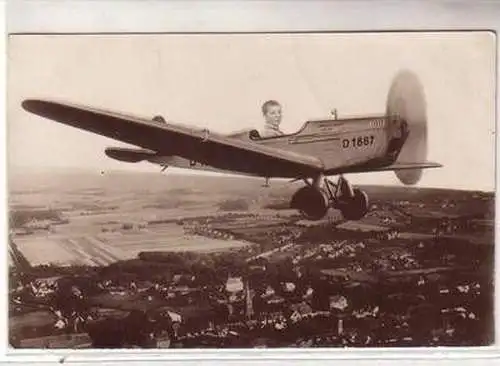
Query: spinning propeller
{"points": [[406, 100]]}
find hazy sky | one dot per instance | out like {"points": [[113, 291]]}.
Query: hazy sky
{"points": [[220, 81]]}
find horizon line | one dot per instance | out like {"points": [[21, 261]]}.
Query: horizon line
{"points": [[26, 169]]}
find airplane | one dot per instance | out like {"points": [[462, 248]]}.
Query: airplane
{"points": [[394, 141]]}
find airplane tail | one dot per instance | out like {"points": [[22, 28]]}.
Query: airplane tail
{"points": [[406, 99]]}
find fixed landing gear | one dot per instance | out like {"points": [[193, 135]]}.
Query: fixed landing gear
{"points": [[352, 202], [314, 200]]}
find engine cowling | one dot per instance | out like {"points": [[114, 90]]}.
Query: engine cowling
{"points": [[311, 202]]}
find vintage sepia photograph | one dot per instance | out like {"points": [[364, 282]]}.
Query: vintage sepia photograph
{"points": [[251, 190]]}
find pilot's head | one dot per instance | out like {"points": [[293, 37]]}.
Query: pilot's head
{"points": [[272, 113]]}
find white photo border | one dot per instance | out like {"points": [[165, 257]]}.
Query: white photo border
{"points": [[257, 16]]}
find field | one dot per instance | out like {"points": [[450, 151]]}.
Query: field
{"points": [[86, 218], [100, 221], [106, 248]]}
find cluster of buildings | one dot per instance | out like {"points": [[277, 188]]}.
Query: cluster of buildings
{"points": [[289, 291]]}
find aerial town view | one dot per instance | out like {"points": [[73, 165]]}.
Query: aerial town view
{"points": [[182, 191], [104, 260]]}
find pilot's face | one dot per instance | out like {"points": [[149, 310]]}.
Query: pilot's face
{"points": [[273, 115]]}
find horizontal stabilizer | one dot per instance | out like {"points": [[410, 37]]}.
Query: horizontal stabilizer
{"points": [[129, 155], [407, 173], [405, 166]]}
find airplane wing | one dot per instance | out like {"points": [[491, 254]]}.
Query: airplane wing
{"points": [[191, 143]]}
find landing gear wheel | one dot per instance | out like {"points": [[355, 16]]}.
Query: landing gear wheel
{"points": [[311, 202], [356, 207]]}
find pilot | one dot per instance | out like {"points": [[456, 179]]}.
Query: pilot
{"points": [[272, 115]]}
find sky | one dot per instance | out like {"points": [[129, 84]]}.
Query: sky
{"points": [[220, 82]]}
